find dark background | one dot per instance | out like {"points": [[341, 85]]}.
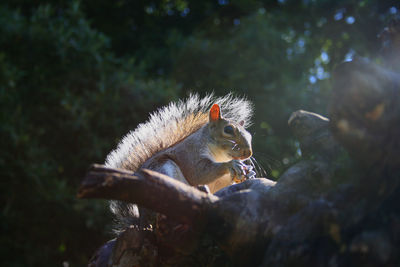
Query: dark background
{"points": [[75, 76]]}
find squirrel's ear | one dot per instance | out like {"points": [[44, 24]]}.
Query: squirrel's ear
{"points": [[215, 113]]}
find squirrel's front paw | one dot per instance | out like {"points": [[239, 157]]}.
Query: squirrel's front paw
{"points": [[236, 170]]}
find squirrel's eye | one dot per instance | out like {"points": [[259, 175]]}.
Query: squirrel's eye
{"points": [[228, 130]]}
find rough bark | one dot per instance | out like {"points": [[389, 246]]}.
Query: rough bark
{"points": [[147, 188]]}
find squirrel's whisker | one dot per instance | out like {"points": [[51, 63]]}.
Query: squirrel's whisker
{"points": [[257, 166]]}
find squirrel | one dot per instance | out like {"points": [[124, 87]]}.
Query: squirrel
{"points": [[200, 141]]}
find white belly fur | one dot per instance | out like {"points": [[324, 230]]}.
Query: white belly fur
{"points": [[172, 170]]}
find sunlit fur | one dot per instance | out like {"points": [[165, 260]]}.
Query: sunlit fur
{"points": [[171, 124], [168, 126]]}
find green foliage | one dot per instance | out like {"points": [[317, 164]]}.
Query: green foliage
{"points": [[59, 90], [75, 77]]}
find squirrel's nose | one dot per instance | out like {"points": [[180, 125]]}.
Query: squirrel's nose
{"points": [[247, 153]]}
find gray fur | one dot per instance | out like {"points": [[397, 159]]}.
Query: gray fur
{"points": [[166, 127]]}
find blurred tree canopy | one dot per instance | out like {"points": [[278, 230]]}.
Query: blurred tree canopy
{"points": [[76, 76]]}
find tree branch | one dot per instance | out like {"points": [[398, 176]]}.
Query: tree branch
{"points": [[147, 188]]}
